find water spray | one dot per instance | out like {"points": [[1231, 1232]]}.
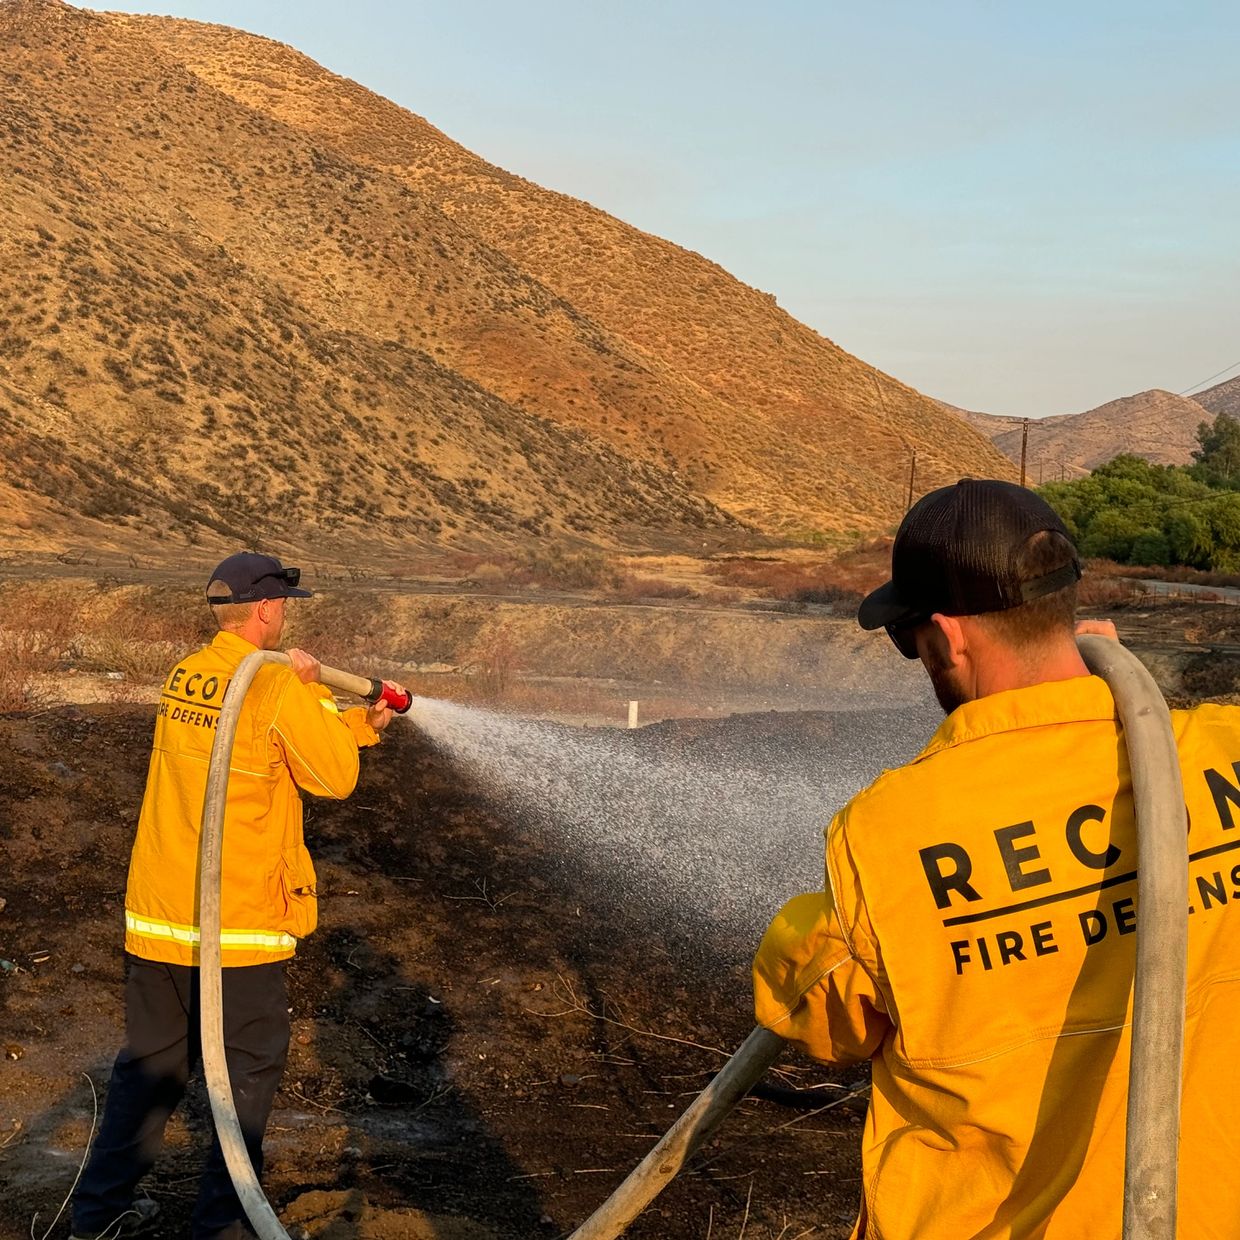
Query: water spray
{"points": [[210, 850]]}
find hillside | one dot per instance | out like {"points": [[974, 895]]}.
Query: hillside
{"points": [[1222, 398], [239, 293], [1156, 425]]}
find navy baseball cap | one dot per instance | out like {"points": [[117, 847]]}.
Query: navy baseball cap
{"points": [[955, 555], [250, 577]]}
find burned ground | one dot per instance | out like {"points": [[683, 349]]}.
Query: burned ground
{"points": [[487, 1035]]}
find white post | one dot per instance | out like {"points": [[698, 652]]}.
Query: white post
{"points": [[632, 714]]}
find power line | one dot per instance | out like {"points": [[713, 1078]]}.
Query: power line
{"points": [[1202, 382]]}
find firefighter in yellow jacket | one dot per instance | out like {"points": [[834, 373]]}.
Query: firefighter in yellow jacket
{"points": [[290, 738], [975, 938]]}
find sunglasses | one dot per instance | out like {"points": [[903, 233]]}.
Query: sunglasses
{"points": [[904, 636], [290, 576]]}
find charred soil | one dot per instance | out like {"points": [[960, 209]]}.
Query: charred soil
{"points": [[485, 1038]]}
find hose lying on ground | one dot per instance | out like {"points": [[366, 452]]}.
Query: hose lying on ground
{"points": [[1158, 999]]}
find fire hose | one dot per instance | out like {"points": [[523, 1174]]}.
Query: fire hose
{"points": [[210, 849], [1153, 1136]]}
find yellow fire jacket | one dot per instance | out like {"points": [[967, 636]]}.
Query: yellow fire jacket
{"points": [[976, 941], [289, 736]]}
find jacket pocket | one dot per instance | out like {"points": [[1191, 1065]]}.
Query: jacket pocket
{"points": [[298, 891]]}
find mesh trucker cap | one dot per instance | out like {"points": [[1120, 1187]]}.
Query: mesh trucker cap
{"points": [[250, 577], [955, 553]]}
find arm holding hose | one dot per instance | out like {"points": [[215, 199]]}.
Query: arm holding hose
{"points": [[811, 989]]}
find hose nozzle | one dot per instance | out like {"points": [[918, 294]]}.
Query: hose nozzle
{"points": [[381, 691]]}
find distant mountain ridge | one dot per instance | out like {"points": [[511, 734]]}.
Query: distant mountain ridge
{"points": [[1157, 425], [1222, 398], [240, 292]]}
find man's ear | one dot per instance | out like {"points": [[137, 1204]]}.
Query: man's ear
{"points": [[264, 610], [948, 637]]}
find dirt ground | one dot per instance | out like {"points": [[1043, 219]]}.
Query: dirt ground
{"points": [[485, 1040]]}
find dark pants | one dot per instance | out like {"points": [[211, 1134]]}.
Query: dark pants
{"points": [[150, 1075]]}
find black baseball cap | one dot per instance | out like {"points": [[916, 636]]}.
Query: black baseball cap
{"points": [[250, 577], [955, 554]]}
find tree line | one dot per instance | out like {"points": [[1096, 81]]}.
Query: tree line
{"points": [[1134, 512]]}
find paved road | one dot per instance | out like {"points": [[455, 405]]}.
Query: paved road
{"points": [[1189, 590]]}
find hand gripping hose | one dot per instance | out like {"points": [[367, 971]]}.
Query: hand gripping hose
{"points": [[210, 849], [1158, 988]]}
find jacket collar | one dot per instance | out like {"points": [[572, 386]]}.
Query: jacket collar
{"points": [[1081, 699], [232, 643]]}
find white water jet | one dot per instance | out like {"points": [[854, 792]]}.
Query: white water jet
{"points": [[710, 841]]}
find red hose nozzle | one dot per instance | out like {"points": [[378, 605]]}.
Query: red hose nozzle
{"points": [[398, 699]]}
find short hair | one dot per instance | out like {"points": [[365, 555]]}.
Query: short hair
{"points": [[228, 615], [1052, 615]]}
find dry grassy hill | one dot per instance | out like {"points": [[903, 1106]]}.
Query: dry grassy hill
{"points": [[1156, 425], [239, 293], [1222, 398]]}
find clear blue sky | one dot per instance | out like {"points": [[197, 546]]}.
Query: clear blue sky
{"points": [[1024, 208]]}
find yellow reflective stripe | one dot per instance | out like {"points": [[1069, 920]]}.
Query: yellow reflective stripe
{"points": [[264, 940], [328, 705]]}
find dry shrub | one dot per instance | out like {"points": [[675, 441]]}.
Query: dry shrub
{"points": [[491, 664], [631, 588], [346, 630], [788, 582], [552, 567], [561, 569], [491, 576], [142, 633], [36, 634], [1096, 590]]}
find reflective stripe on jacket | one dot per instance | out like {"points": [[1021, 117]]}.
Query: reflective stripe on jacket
{"points": [[289, 736], [976, 940]]}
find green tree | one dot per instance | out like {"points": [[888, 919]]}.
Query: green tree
{"points": [[1189, 537], [1111, 535], [1225, 521], [1217, 458], [1150, 547]]}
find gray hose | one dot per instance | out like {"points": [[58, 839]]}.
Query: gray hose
{"points": [[1153, 1137], [708, 1110], [210, 850], [1158, 1000]]}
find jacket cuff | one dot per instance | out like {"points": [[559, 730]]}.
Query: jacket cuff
{"points": [[355, 720]]}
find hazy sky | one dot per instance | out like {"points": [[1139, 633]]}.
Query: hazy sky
{"points": [[1023, 208]]}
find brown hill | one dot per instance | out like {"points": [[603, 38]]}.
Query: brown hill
{"points": [[1156, 425], [1222, 398], [238, 292]]}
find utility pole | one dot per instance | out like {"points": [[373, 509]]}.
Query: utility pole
{"points": [[1024, 447], [912, 474]]}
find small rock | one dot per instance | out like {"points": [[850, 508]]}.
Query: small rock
{"points": [[303, 1039], [7, 966], [570, 1078], [3, 904], [60, 769], [13, 1051], [78, 968], [351, 1151]]}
